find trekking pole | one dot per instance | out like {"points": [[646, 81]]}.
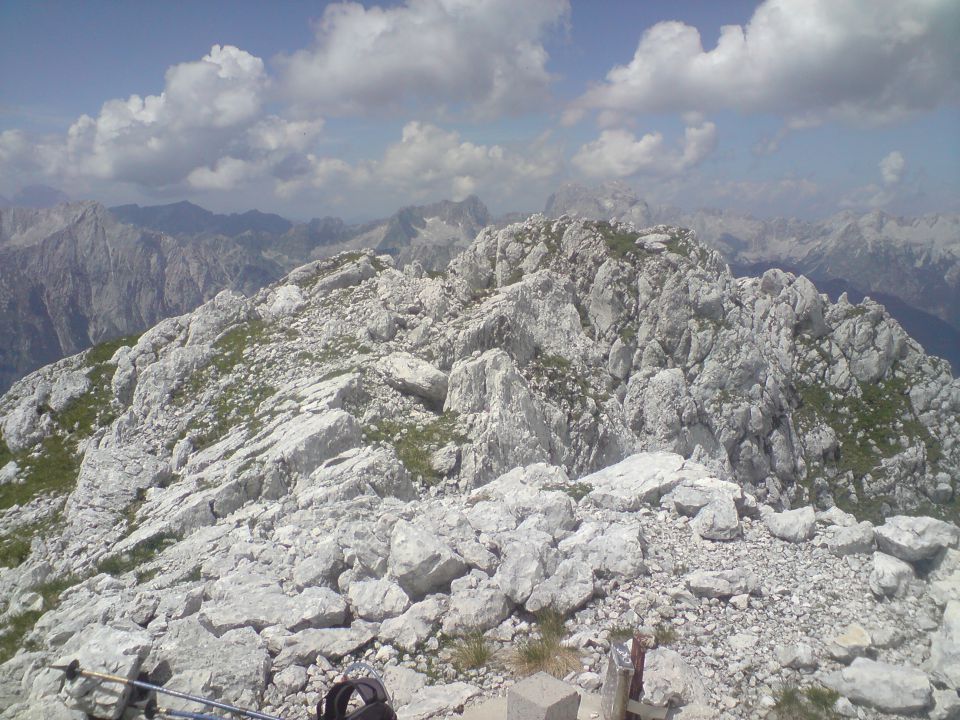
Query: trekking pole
{"points": [[152, 710], [73, 671]]}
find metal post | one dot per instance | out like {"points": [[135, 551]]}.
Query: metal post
{"points": [[616, 685]]}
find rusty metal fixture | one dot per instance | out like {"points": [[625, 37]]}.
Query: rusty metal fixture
{"points": [[638, 655]]}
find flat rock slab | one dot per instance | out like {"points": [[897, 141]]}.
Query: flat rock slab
{"points": [[888, 688], [915, 538]]}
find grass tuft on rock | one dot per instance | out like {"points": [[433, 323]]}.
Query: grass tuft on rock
{"points": [[471, 652], [810, 703], [545, 653]]}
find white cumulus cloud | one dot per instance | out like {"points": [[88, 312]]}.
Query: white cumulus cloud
{"points": [[863, 61], [206, 130], [619, 153], [486, 54], [891, 167], [431, 162]]}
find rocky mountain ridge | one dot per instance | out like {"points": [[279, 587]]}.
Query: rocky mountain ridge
{"points": [[576, 416], [73, 275], [915, 259]]}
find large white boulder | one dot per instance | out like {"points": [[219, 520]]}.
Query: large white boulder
{"points": [[915, 538], [889, 576], [420, 561], [377, 599], [717, 520], [568, 589], [792, 525], [408, 374], [117, 651], [888, 688]]}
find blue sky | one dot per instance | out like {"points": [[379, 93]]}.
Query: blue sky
{"points": [[796, 107]]}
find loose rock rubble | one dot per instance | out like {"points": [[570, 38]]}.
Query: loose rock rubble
{"points": [[364, 463]]}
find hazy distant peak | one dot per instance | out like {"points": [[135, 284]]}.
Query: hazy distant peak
{"points": [[186, 218]]}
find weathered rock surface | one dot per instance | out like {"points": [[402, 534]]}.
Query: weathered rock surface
{"points": [[886, 687], [616, 417], [915, 538]]}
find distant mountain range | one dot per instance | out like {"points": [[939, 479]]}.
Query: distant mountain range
{"points": [[912, 265], [78, 274]]}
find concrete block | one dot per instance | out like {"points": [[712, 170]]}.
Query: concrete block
{"points": [[542, 697]]}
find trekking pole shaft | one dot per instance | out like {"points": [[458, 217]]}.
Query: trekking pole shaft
{"points": [[173, 693]]}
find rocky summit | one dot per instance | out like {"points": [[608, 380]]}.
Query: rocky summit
{"points": [[578, 431]]}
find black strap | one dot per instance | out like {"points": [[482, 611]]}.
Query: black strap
{"points": [[373, 694]]}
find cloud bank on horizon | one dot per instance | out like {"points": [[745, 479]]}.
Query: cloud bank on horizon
{"points": [[442, 80]]}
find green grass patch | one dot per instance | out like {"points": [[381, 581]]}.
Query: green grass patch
{"points": [[15, 546], [621, 243], [95, 408], [15, 549], [14, 630], [100, 354], [139, 555], [415, 443], [471, 652], [810, 703], [868, 428], [52, 469], [235, 406], [665, 634], [5, 454]]}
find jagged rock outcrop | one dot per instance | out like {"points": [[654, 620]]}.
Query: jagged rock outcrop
{"points": [[620, 420], [909, 264]]}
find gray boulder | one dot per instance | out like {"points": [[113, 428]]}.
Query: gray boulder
{"points": [[798, 656], [889, 576], [420, 561], [521, 570], [568, 589], [190, 653], [475, 610], [722, 583], [249, 600], [433, 700], [717, 520], [888, 688], [411, 375], [105, 649], [669, 681], [377, 599], [410, 630], [851, 540], [792, 525], [304, 647], [915, 538]]}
